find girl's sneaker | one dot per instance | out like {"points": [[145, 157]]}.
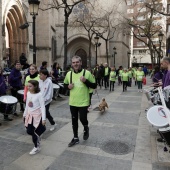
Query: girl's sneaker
{"points": [[35, 151]]}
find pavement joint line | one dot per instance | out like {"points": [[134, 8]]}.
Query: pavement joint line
{"points": [[99, 152], [112, 125]]}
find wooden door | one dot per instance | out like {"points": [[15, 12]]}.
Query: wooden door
{"points": [[82, 53]]}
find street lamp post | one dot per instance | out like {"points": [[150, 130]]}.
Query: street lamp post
{"points": [[160, 35], [33, 7], [128, 55], [114, 54], [96, 39]]}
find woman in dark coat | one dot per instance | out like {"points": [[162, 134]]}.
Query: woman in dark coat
{"points": [[3, 88]]}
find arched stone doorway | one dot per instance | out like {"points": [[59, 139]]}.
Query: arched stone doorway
{"points": [[16, 39], [82, 53]]}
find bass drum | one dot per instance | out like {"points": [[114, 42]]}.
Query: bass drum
{"points": [[156, 115], [8, 104], [165, 134]]}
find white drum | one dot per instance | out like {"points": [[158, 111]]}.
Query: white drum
{"points": [[55, 86], [156, 115], [8, 104], [20, 96], [8, 99]]}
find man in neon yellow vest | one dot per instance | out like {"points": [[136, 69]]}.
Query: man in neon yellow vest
{"points": [[78, 82], [106, 75]]}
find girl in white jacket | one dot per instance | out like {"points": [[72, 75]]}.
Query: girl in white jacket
{"points": [[34, 114]]}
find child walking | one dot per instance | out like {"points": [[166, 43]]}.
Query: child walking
{"points": [[34, 114], [112, 78]]}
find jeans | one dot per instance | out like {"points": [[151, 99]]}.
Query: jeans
{"points": [[106, 81], [112, 85], [139, 84], [80, 112]]}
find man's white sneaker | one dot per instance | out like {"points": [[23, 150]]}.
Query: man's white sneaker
{"points": [[35, 150], [53, 127]]}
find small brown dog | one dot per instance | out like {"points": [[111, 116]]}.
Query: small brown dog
{"points": [[103, 105]]}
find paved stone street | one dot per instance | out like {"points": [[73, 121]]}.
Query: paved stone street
{"points": [[120, 139]]}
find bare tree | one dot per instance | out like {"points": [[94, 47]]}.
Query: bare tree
{"points": [[109, 23], [67, 6], [87, 19]]}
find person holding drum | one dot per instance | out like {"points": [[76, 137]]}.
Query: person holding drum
{"points": [[34, 115], [15, 81], [33, 75], [157, 76], [46, 88], [3, 88]]}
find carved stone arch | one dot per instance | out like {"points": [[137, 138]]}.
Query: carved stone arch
{"points": [[18, 39]]}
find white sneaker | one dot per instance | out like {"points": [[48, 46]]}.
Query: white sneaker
{"points": [[53, 127], [35, 151], [141, 91]]}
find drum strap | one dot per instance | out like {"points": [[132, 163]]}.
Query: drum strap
{"points": [[71, 75]]}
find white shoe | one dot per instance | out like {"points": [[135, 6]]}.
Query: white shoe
{"points": [[35, 151], [53, 127], [141, 91]]}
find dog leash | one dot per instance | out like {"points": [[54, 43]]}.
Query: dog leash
{"points": [[97, 95]]}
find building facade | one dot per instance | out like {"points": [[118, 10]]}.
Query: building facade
{"points": [[139, 12], [49, 35]]}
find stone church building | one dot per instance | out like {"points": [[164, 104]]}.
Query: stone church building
{"points": [[50, 35]]}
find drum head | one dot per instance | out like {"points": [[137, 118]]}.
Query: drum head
{"points": [[157, 117], [55, 86], [8, 99], [20, 92]]}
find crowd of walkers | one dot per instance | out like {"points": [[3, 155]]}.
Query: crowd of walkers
{"points": [[78, 82], [37, 85], [106, 76]]}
